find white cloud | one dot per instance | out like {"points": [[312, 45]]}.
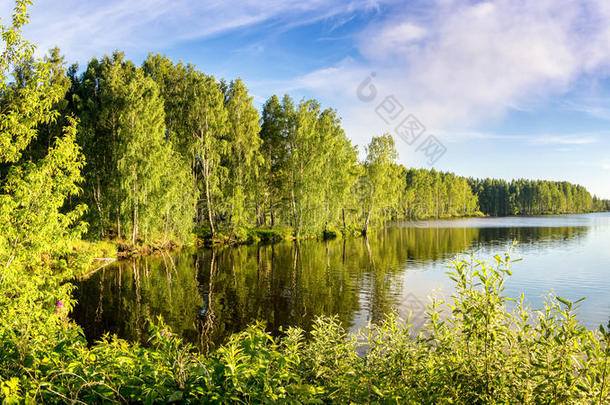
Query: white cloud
{"points": [[594, 106], [460, 64], [87, 28], [397, 39]]}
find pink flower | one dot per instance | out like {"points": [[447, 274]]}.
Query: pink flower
{"points": [[59, 306]]}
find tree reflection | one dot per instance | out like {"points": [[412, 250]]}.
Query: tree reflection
{"points": [[206, 295]]}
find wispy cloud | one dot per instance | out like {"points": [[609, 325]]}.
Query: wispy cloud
{"points": [[577, 139], [594, 106], [87, 28], [460, 63]]}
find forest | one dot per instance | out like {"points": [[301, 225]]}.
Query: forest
{"points": [[527, 197], [169, 151]]}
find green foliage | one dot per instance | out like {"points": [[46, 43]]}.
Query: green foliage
{"points": [[310, 167], [275, 126], [243, 157], [170, 149], [37, 226], [27, 102], [268, 235], [196, 121], [138, 185], [432, 194]]}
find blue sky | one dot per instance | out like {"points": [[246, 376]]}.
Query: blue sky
{"points": [[511, 88]]}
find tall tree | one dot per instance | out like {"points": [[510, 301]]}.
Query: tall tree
{"points": [[382, 174], [97, 99], [338, 166], [207, 124], [141, 162], [303, 165], [243, 157], [132, 161], [275, 124]]}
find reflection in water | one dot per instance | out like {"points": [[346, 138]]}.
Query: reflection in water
{"points": [[206, 295]]}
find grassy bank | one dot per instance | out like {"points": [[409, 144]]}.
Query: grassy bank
{"points": [[269, 235], [104, 250]]}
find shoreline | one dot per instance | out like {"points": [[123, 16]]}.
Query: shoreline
{"points": [[113, 250]]}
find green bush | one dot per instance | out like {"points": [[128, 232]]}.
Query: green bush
{"points": [[270, 235]]}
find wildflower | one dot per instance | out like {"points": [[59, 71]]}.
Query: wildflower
{"points": [[59, 306]]}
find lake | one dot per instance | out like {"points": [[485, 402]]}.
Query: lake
{"points": [[207, 294]]}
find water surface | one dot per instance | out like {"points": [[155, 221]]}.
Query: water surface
{"points": [[205, 295]]}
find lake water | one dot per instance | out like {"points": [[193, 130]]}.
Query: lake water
{"points": [[205, 295]]}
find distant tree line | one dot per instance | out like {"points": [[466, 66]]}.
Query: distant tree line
{"points": [[170, 150], [534, 197]]}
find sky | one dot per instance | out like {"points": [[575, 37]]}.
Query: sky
{"points": [[498, 88]]}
